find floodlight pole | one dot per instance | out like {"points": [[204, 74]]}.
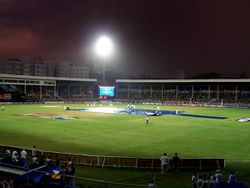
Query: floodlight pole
{"points": [[103, 49], [103, 72]]}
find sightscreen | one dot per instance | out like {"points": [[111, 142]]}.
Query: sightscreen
{"points": [[108, 91]]}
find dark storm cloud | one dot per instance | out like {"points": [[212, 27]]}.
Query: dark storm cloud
{"points": [[51, 25], [157, 37]]}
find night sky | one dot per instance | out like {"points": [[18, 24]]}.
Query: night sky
{"points": [[160, 38]]}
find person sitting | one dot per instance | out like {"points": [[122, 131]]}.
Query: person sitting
{"points": [[34, 163], [194, 180], [48, 160], [57, 161], [206, 182], [200, 182], [151, 184], [41, 161]]}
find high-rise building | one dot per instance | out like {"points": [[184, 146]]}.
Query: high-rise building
{"points": [[11, 66], [40, 67], [72, 70]]}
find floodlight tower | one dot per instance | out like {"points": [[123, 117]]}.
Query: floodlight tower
{"points": [[104, 50]]}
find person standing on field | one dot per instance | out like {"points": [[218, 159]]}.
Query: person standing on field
{"points": [[176, 163], [164, 164], [147, 120]]}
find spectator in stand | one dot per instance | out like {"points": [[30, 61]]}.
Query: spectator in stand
{"points": [[211, 176], [41, 160], [7, 153], [62, 177], [14, 157], [23, 154], [164, 164], [48, 160], [212, 181], [23, 157], [69, 166], [200, 182], [73, 170], [194, 180], [72, 173], [34, 163], [33, 152], [206, 183], [7, 157], [176, 163], [232, 177], [151, 184], [57, 161], [218, 177], [34, 159]]}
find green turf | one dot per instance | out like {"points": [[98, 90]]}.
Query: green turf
{"points": [[129, 135]]}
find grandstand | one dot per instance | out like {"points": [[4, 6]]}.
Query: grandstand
{"points": [[21, 88], [180, 91]]}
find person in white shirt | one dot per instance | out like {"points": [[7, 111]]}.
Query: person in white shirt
{"points": [[23, 154], [218, 176], [151, 184], [147, 120], [7, 152], [200, 182], [194, 180], [48, 160], [69, 165], [14, 156], [164, 164], [177, 112], [23, 157]]}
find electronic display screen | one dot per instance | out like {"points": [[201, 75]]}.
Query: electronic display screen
{"points": [[108, 91]]}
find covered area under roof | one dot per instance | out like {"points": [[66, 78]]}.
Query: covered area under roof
{"points": [[188, 90], [38, 88]]}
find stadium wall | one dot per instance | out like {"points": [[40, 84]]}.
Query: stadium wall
{"points": [[128, 162]]}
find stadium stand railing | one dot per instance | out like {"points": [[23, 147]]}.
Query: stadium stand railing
{"points": [[122, 161]]}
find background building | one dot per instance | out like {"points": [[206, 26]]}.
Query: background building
{"points": [[40, 67]]}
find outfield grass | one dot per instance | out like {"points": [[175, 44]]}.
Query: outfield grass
{"points": [[129, 135]]}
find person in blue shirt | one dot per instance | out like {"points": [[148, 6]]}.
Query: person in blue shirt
{"points": [[232, 177]]}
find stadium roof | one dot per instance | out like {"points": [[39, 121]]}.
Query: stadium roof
{"points": [[182, 80], [14, 76]]}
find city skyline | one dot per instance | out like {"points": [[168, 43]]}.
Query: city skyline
{"points": [[159, 39]]}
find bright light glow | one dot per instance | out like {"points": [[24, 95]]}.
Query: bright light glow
{"points": [[104, 47]]}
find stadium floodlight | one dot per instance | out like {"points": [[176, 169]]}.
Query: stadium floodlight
{"points": [[104, 49]]}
